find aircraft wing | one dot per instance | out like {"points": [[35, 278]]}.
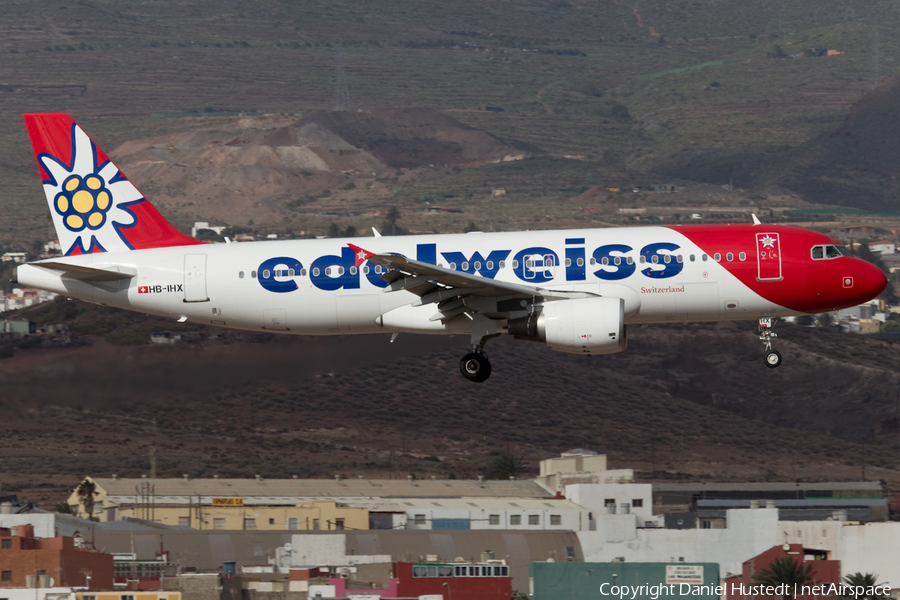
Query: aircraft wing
{"points": [[456, 292]]}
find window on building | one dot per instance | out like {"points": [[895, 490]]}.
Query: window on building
{"points": [[7, 543], [249, 523], [127, 597], [219, 524], [493, 519], [637, 502], [534, 519], [271, 521], [338, 523], [292, 524], [82, 598], [515, 519], [184, 521], [315, 524], [610, 504], [419, 519], [704, 524], [556, 519], [6, 576]]}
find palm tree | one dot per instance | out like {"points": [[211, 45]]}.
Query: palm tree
{"points": [[86, 491], [867, 581], [787, 572]]}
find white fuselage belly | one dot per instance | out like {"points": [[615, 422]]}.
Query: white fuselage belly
{"points": [[204, 283]]}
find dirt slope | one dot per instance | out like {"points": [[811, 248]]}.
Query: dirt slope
{"points": [[208, 174]]}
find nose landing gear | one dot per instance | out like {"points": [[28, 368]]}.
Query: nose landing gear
{"points": [[773, 357]]}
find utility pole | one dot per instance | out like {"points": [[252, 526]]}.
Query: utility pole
{"points": [[341, 93]]}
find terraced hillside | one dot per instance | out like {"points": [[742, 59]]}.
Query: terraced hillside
{"points": [[625, 91], [682, 402]]}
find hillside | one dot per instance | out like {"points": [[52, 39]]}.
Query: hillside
{"points": [[682, 402], [268, 169], [627, 92]]}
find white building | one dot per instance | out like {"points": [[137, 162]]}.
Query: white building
{"points": [[883, 247], [867, 548], [493, 513], [630, 502]]}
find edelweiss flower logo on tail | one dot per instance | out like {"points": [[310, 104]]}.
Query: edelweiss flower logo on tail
{"points": [[89, 201]]}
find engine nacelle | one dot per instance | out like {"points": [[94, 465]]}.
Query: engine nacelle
{"points": [[579, 326]]}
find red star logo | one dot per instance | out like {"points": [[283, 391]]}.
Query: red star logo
{"points": [[361, 255]]}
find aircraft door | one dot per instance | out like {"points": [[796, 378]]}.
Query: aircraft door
{"points": [[768, 257], [195, 278]]}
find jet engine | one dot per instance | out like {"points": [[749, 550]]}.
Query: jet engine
{"points": [[579, 326]]}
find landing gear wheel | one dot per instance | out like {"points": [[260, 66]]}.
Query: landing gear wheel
{"points": [[475, 367], [773, 359]]}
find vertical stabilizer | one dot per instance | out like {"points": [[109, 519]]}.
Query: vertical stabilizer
{"points": [[94, 206]]}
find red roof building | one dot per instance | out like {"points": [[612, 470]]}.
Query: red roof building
{"points": [[469, 581], [22, 555], [825, 572]]}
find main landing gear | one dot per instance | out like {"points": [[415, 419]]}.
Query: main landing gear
{"points": [[475, 365], [773, 357]]}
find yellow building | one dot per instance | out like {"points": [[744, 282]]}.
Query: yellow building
{"points": [[128, 595], [319, 515], [227, 513]]}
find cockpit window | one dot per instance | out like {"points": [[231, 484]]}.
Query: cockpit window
{"points": [[829, 251]]}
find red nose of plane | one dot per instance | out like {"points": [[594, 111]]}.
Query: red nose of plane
{"points": [[868, 281]]}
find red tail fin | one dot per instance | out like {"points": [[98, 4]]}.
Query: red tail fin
{"points": [[94, 206]]}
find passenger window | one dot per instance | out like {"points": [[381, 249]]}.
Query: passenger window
{"points": [[643, 259], [241, 275], [253, 274], [452, 266], [291, 273], [818, 253], [604, 261], [654, 259], [502, 264], [742, 256], [593, 261], [315, 271], [729, 257], [568, 262], [353, 270], [667, 258], [489, 265], [328, 270], [679, 258], [705, 258], [340, 270], [630, 260], [266, 274], [617, 260], [477, 266], [465, 266], [302, 272], [717, 257], [692, 258], [365, 270], [378, 269], [580, 262], [515, 264]]}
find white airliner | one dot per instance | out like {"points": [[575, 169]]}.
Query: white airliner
{"points": [[574, 290]]}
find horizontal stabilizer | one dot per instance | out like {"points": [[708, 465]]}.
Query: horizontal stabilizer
{"points": [[88, 273]]}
